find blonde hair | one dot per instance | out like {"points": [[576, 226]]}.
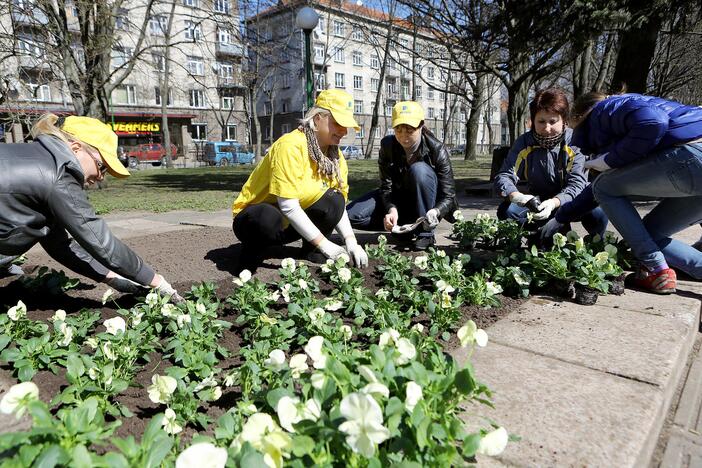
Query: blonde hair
{"points": [[308, 119], [46, 125]]}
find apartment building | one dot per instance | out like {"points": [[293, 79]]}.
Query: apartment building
{"points": [[348, 48], [206, 96]]}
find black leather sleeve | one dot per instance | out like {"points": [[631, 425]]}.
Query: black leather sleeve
{"points": [[385, 169], [70, 254]]}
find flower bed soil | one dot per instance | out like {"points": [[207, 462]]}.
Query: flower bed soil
{"points": [[211, 255]]}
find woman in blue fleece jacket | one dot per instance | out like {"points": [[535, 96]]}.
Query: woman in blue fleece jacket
{"points": [[646, 147]]}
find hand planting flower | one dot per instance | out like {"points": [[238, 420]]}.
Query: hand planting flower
{"points": [[298, 365], [344, 274], [291, 412], [161, 388], [407, 351], [17, 312], [316, 315], [346, 332], [59, 316], [288, 264], [275, 360], [244, 277], [493, 443], [267, 437], [17, 398], [151, 299], [67, 333], [364, 423], [169, 423], [413, 393], [421, 262], [376, 388], [202, 455], [115, 325], [313, 348], [470, 333]]}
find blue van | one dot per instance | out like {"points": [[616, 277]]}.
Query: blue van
{"points": [[225, 153]]}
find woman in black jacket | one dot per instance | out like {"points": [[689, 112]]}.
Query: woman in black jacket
{"points": [[416, 180], [43, 201]]}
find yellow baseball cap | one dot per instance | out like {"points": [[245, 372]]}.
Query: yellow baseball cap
{"points": [[408, 113], [340, 104], [101, 137]]}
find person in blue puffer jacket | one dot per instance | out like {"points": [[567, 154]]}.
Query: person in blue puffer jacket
{"points": [[646, 147], [552, 167]]}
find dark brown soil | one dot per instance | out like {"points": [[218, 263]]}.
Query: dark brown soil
{"points": [[184, 258]]}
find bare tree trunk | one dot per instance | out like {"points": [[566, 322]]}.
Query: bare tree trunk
{"points": [[606, 64], [470, 152], [257, 124], [164, 85], [518, 95], [581, 72], [374, 118]]}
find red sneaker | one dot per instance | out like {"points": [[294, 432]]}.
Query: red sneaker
{"points": [[662, 282]]}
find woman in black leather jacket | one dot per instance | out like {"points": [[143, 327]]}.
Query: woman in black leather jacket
{"points": [[43, 201], [416, 180]]}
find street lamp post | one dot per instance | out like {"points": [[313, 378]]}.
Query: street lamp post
{"points": [[307, 20]]}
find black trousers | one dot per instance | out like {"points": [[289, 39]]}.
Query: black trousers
{"points": [[260, 226]]}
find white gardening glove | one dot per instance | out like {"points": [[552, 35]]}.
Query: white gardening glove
{"points": [[165, 289], [598, 163], [432, 219], [124, 285], [356, 253], [330, 249], [520, 199], [546, 208]]}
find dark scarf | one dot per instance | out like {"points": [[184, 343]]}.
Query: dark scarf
{"points": [[548, 142]]}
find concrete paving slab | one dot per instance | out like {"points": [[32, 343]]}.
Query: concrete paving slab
{"points": [[566, 414], [634, 345], [688, 414], [647, 303], [681, 453]]}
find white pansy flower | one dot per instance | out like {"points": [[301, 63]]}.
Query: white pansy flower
{"points": [[344, 274], [318, 380], [458, 215], [367, 373], [313, 348], [210, 393], [422, 262], [413, 393], [202, 455], [481, 337], [169, 423], [325, 268], [382, 294], [229, 379], [457, 266], [168, 310], [67, 333], [298, 365], [115, 325], [274, 296], [290, 411], [493, 288], [376, 388], [494, 442], [264, 318], [17, 396], [17, 312], [59, 316], [601, 259], [559, 240], [388, 338], [333, 305], [342, 259], [275, 360], [93, 373], [316, 315], [106, 296], [285, 291], [244, 277], [407, 351], [136, 320], [470, 333], [302, 283], [182, 319], [288, 264], [265, 436], [364, 423], [443, 286], [446, 300], [161, 388], [108, 352], [200, 308], [418, 327], [441, 253], [346, 332], [151, 299], [579, 243], [92, 342]]}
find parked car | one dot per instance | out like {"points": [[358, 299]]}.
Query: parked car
{"points": [[352, 152], [458, 150], [153, 153], [224, 153]]}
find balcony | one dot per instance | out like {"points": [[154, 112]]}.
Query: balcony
{"points": [[231, 49], [26, 18], [34, 63]]}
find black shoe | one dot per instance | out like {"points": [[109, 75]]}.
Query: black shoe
{"points": [[311, 254], [424, 242], [11, 270]]}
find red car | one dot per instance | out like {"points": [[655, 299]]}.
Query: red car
{"points": [[153, 153]]}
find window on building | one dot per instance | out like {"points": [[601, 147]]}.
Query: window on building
{"points": [[442, 113], [285, 128], [392, 63], [357, 107], [122, 20], [357, 82], [39, 92], [339, 55], [121, 55], [430, 73], [430, 94], [229, 133], [357, 33], [391, 86], [405, 65], [225, 70], [362, 132], [418, 68], [388, 108], [418, 91], [321, 26], [404, 42], [191, 3], [405, 90], [441, 133], [285, 105], [268, 134], [227, 102], [376, 133], [374, 61], [197, 98], [224, 36], [440, 95], [221, 6], [198, 131], [267, 108], [125, 94], [357, 58], [320, 80], [157, 96], [193, 31], [28, 45], [375, 83], [158, 25], [196, 66], [339, 80], [339, 28], [430, 112], [463, 115], [319, 53], [285, 81]]}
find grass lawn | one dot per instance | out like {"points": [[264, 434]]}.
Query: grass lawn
{"points": [[214, 188]]}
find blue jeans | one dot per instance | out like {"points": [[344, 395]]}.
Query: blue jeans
{"points": [[594, 221], [673, 174], [417, 196]]}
